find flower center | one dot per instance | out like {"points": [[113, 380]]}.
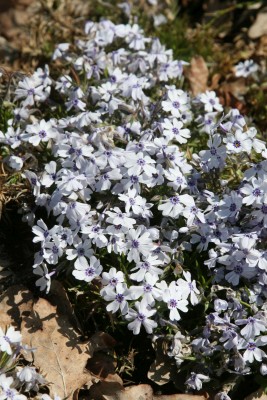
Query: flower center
{"points": [[256, 192], [175, 200], [89, 271], [213, 151], [42, 134], [141, 317], [172, 303], [232, 207], [237, 144], [135, 244], [147, 288], [176, 104], [55, 249], [119, 298]]}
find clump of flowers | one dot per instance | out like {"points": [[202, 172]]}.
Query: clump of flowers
{"points": [[174, 236], [16, 379]]}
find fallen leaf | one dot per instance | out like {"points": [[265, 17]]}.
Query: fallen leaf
{"points": [[258, 395], [160, 370], [103, 366], [198, 74], [60, 356], [261, 49], [181, 397], [164, 368], [259, 27], [102, 341], [103, 390], [15, 303], [215, 81], [59, 298]]}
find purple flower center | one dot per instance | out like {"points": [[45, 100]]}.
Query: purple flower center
{"points": [[42, 134], [55, 249], [90, 271], [9, 394], [147, 288], [256, 192], [173, 303], [81, 252], [141, 317], [264, 209], [238, 269], [251, 346], [134, 179], [71, 150], [176, 104], [113, 281], [46, 233], [145, 265], [119, 298], [213, 151], [141, 162], [232, 207], [236, 144], [175, 200], [135, 244]]}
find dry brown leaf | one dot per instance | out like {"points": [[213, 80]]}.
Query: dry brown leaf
{"points": [[237, 87], [138, 392], [15, 303], [160, 370], [180, 397], [102, 341], [103, 390], [261, 49], [59, 355], [103, 366], [198, 74], [259, 27], [258, 395], [163, 369]]}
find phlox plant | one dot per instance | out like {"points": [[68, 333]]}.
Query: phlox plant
{"points": [[158, 196], [16, 379]]}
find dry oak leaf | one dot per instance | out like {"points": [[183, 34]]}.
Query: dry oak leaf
{"points": [[15, 303], [197, 75], [114, 391], [180, 397], [259, 27], [258, 395], [59, 354]]}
